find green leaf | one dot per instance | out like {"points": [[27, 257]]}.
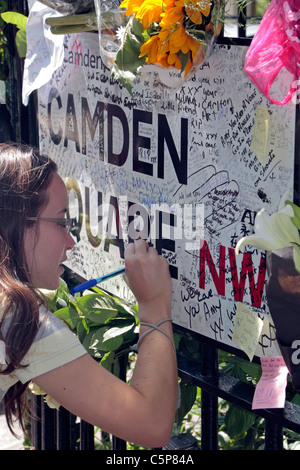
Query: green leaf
{"points": [[239, 365], [68, 315], [238, 420], [111, 363], [296, 218], [15, 18], [127, 62], [183, 59], [21, 43], [99, 343], [188, 397], [98, 309], [82, 330], [123, 306], [224, 440], [296, 256], [114, 337], [90, 341], [296, 399]]}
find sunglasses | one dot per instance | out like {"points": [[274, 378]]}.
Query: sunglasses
{"points": [[66, 224]]}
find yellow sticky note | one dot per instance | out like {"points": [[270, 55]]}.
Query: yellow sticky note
{"points": [[260, 135], [247, 329]]}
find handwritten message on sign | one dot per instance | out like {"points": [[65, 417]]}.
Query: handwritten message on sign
{"points": [[270, 390], [186, 167]]}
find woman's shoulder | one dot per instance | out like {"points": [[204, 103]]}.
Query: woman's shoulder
{"points": [[49, 322]]}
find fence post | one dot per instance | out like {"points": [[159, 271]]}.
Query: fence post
{"points": [[86, 436], [273, 435], [36, 426], [209, 402], [48, 427], [63, 427], [117, 443]]}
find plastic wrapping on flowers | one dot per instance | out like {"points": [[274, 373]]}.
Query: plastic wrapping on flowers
{"points": [[69, 6], [177, 34]]}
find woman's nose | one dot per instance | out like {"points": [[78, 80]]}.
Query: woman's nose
{"points": [[70, 242]]}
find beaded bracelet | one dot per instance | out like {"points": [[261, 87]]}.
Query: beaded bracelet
{"points": [[153, 328]]}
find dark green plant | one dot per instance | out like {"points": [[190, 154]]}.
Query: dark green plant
{"points": [[19, 21], [105, 325]]}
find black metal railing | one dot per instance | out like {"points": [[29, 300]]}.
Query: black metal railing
{"points": [[57, 430]]}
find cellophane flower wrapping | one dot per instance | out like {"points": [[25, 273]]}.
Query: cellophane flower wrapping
{"points": [[69, 7], [275, 46], [176, 34], [283, 295], [111, 21]]}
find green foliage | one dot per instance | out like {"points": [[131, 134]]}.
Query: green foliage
{"points": [[19, 21], [104, 324], [188, 397]]}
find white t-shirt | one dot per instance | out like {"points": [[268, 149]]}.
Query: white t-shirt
{"points": [[54, 345]]}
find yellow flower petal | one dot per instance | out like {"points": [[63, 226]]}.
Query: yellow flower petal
{"points": [[163, 60], [150, 49], [150, 11], [171, 17], [174, 60], [194, 15], [131, 6], [188, 66]]}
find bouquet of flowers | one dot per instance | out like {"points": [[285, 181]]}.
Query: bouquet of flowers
{"points": [[170, 33], [278, 234]]}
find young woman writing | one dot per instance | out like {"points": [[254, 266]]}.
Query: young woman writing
{"points": [[34, 241]]}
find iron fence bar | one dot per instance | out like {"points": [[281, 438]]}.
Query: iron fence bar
{"points": [[209, 402], [86, 436], [63, 429], [36, 426], [48, 427], [117, 443], [273, 435], [242, 22], [237, 392]]}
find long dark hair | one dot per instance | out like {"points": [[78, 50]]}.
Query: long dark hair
{"points": [[25, 175]]}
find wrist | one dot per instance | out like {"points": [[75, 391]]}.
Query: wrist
{"points": [[163, 327], [153, 312]]}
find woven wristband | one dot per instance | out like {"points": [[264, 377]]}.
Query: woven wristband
{"points": [[153, 328]]}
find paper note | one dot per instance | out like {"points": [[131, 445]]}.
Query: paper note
{"points": [[247, 329], [260, 134], [270, 390]]}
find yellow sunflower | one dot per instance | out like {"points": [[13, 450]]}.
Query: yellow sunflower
{"points": [[150, 48], [195, 9], [131, 6], [171, 17], [150, 11], [174, 61]]}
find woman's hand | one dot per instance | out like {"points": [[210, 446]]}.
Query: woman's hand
{"points": [[148, 276]]}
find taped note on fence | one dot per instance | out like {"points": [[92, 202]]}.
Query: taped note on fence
{"points": [[247, 329], [270, 390]]}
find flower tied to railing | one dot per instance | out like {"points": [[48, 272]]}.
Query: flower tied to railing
{"points": [[170, 33], [280, 230], [278, 234]]}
